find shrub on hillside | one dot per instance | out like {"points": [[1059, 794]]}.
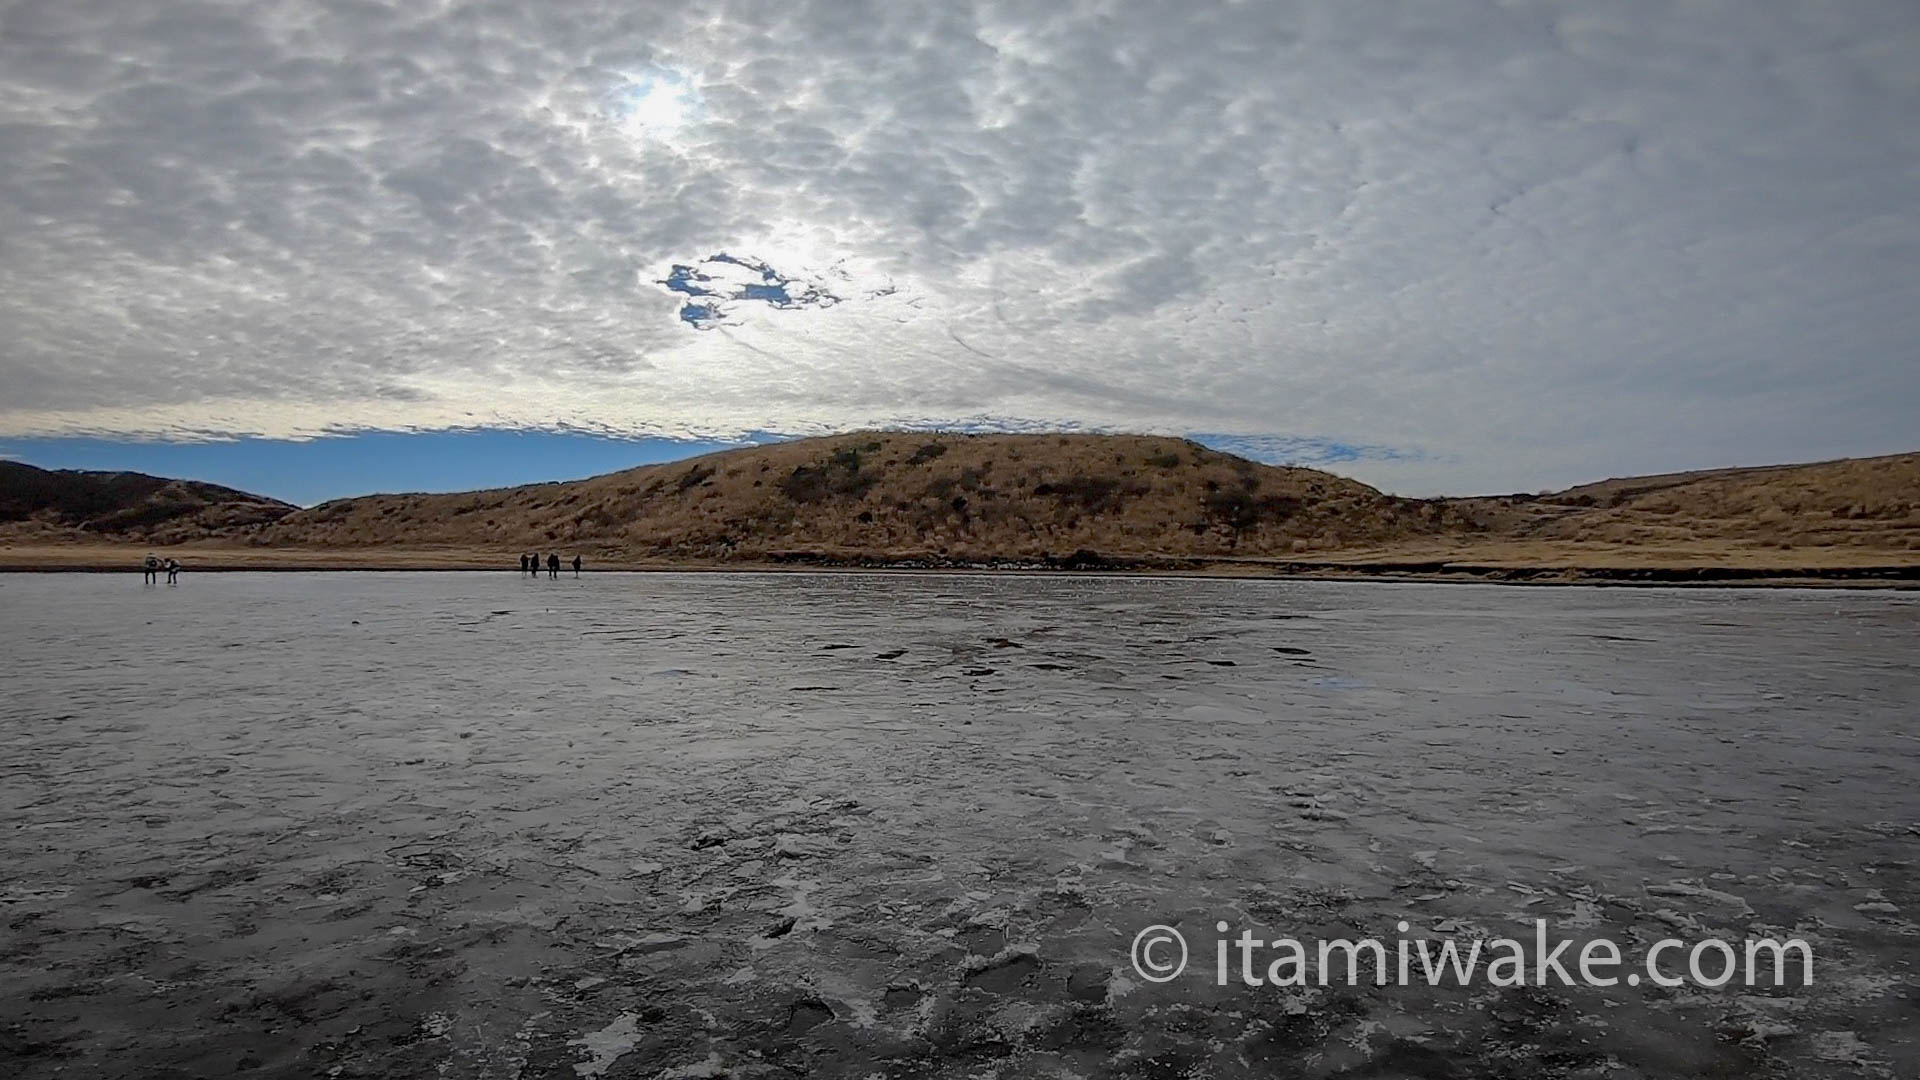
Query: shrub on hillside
{"points": [[692, 478], [1242, 510], [1096, 494], [840, 477]]}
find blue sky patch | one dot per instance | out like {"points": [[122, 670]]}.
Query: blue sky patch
{"points": [[723, 282], [1310, 451]]}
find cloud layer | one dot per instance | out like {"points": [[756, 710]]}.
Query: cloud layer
{"points": [[1478, 245]]}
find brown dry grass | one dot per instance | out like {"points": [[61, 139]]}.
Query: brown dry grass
{"points": [[1861, 505], [884, 496], [903, 495], [77, 505]]}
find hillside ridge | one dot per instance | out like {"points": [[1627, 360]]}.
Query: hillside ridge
{"points": [[898, 493], [892, 496], [82, 504]]}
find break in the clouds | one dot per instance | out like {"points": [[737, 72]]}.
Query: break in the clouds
{"points": [[1463, 245], [717, 286]]}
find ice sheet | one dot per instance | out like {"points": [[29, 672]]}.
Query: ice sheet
{"points": [[867, 824]]}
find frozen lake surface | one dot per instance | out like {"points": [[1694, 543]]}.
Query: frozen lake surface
{"points": [[857, 824]]}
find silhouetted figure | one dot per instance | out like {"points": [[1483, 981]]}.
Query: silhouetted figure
{"points": [[576, 566], [150, 569], [553, 565], [523, 562], [173, 572]]}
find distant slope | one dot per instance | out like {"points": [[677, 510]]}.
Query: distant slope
{"points": [[1854, 502], [894, 494], [880, 496], [73, 504]]}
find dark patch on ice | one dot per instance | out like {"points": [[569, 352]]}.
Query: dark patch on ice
{"points": [[890, 654], [1091, 1027], [983, 940], [901, 997], [1291, 650], [1088, 983], [808, 1013]]}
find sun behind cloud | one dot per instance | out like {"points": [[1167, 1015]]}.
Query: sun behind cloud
{"points": [[656, 103]]}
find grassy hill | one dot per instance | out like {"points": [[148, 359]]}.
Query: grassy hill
{"points": [[897, 496], [1860, 503], [894, 494], [71, 504]]}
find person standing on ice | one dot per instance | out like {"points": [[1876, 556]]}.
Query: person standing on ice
{"points": [[553, 565], [150, 569], [576, 566], [173, 572]]}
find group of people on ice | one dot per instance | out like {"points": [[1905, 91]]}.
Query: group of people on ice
{"points": [[530, 564], [153, 566]]}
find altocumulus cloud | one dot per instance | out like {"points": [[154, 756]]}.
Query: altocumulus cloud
{"points": [[1446, 246]]}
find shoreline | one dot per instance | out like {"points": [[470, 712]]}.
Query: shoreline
{"points": [[1372, 566]]}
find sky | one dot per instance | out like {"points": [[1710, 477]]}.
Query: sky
{"points": [[1453, 247]]}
